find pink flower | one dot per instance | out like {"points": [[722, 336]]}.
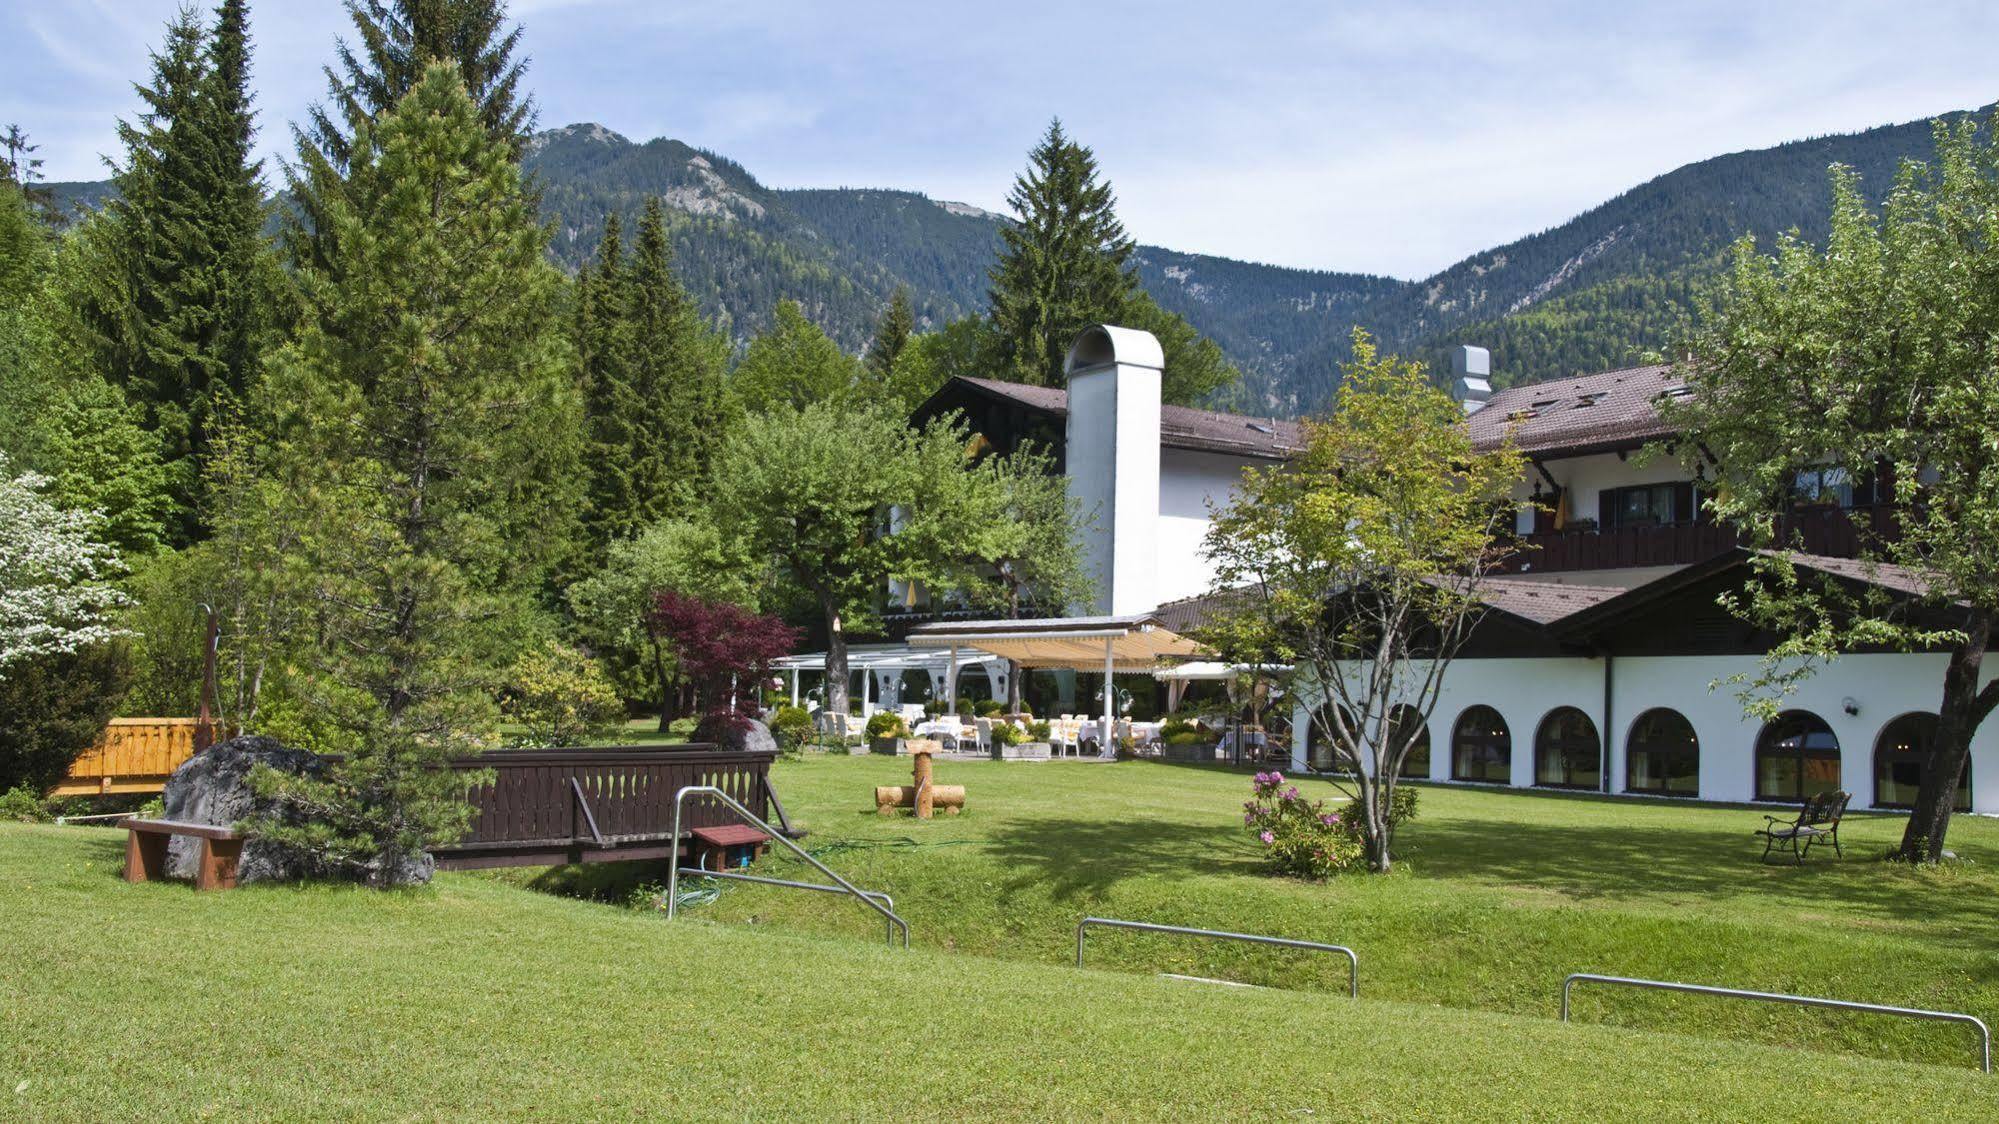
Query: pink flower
{"points": [[1267, 838], [1291, 793], [1329, 819]]}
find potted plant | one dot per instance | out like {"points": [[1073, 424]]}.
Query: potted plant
{"points": [[885, 732]]}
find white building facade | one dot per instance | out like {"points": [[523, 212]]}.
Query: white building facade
{"points": [[1602, 672]]}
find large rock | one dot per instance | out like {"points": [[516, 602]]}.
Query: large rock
{"points": [[213, 787], [734, 732]]}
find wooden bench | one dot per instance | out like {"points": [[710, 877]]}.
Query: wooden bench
{"points": [[729, 845], [1817, 821], [215, 864]]}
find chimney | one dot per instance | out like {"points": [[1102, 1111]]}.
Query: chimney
{"points": [[1471, 377], [1113, 462]]}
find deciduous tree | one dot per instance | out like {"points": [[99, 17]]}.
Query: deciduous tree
{"points": [[1361, 564], [1877, 358]]}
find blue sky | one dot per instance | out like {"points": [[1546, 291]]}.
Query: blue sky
{"points": [[1384, 137]]}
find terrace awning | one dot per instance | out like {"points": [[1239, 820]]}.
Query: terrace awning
{"points": [[1130, 644]]}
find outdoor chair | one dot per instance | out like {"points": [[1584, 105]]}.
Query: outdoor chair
{"points": [[984, 726], [1818, 820]]}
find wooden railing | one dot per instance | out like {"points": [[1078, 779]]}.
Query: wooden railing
{"points": [[1837, 532], [132, 755], [546, 807]]}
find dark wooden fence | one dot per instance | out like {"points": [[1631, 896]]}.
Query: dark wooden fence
{"points": [[545, 807]]}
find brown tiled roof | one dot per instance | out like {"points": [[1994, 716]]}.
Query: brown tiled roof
{"points": [[1542, 602], [1190, 613], [1899, 579], [1593, 413], [1180, 427]]}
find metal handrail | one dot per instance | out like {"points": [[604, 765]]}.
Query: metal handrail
{"points": [[1353, 979], [673, 872], [704, 872], [1984, 1034]]}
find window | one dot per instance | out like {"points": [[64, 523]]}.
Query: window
{"points": [[1797, 757], [1417, 764], [1482, 747], [1323, 759], [1900, 756], [1567, 753], [1833, 486], [1645, 505], [1662, 756]]}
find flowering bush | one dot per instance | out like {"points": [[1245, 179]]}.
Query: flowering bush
{"points": [[1299, 836], [560, 697]]}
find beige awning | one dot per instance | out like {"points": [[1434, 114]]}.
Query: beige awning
{"points": [[1132, 644]]}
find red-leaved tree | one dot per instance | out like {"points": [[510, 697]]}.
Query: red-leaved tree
{"points": [[724, 650]]}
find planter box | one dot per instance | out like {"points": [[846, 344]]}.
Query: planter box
{"points": [[1196, 752], [890, 746], [1025, 751]]}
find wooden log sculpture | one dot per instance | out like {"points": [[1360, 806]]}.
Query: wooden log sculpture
{"points": [[923, 796]]}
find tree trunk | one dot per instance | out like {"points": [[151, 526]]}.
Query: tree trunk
{"points": [[665, 685], [1957, 719], [836, 667]]}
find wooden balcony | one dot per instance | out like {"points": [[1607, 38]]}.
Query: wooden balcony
{"points": [[1831, 531]]}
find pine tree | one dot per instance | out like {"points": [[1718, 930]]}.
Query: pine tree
{"points": [[181, 312], [891, 335], [1065, 264], [428, 407], [396, 41]]}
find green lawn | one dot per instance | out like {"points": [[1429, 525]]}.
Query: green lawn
{"points": [[477, 999], [1499, 895]]}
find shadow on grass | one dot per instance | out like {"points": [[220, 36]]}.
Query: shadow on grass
{"points": [[1071, 858]]}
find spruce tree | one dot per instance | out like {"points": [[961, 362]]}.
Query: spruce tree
{"points": [[181, 315], [891, 335], [655, 375], [427, 408], [1064, 264]]}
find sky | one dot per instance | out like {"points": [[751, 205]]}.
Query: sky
{"points": [[1377, 137]]}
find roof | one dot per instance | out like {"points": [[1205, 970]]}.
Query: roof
{"points": [[1541, 601], [1180, 427], [1895, 579], [1594, 413], [1133, 643]]}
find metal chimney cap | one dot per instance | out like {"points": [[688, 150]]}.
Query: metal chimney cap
{"points": [[1104, 345], [1471, 362]]}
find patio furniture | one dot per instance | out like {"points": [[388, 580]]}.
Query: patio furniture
{"points": [[983, 731], [1817, 820]]}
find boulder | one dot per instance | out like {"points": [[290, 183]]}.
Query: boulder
{"points": [[734, 732], [213, 787]]}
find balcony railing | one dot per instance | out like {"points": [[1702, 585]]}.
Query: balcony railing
{"points": [[1832, 531]]}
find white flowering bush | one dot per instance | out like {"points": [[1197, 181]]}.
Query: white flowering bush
{"points": [[56, 595]]}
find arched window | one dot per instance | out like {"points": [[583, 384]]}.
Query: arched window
{"points": [[1482, 747], [1797, 757], [1567, 752], [1662, 756], [1417, 764], [1901, 754]]}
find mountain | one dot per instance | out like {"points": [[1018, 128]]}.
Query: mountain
{"points": [[742, 247], [1607, 287], [1603, 289]]}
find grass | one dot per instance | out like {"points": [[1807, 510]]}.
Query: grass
{"points": [[478, 999], [1499, 895]]}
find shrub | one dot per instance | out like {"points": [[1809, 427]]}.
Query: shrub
{"points": [[1006, 733], [1173, 726], [52, 707], [561, 698], [1040, 731], [791, 726], [987, 708], [1401, 810], [24, 805], [1186, 737], [933, 708], [886, 725], [963, 708], [1299, 837]]}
